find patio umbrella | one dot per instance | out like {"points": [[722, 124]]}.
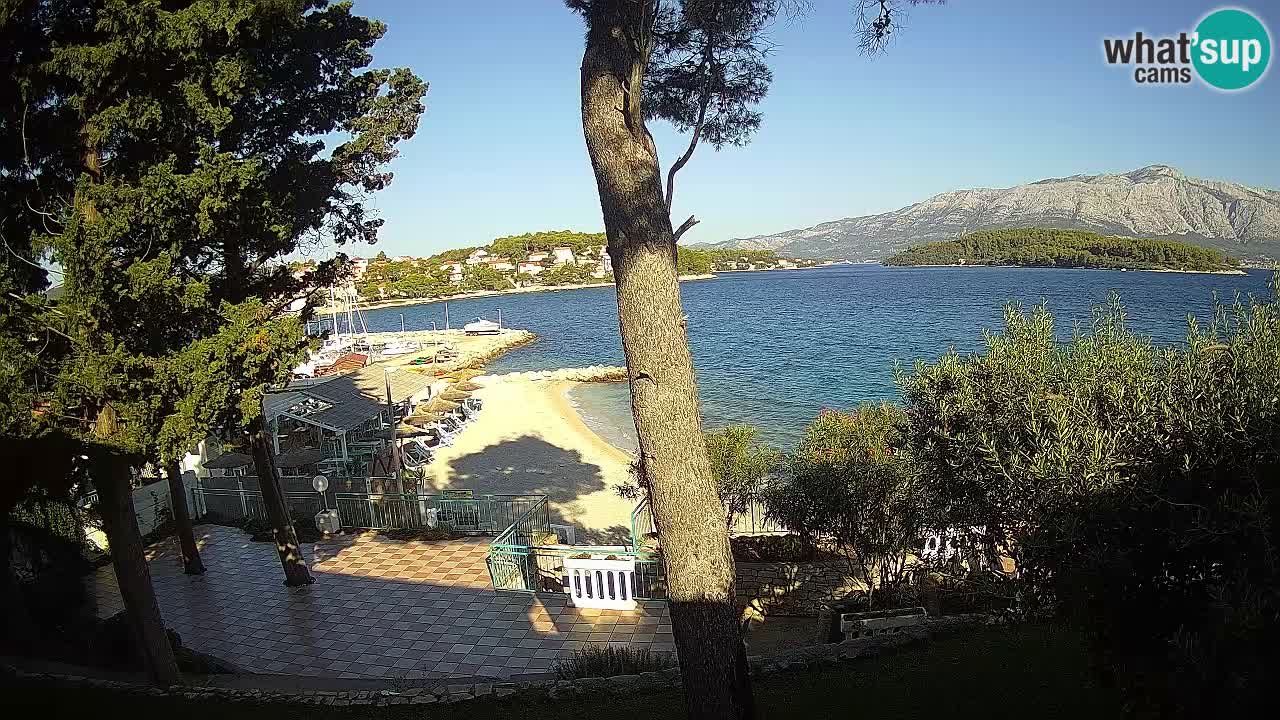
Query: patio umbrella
{"points": [[440, 405], [404, 431], [424, 418], [299, 457], [467, 387], [463, 374], [228, 461], [454, 395]]}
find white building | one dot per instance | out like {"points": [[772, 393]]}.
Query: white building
{"points": [[477, 256], [538, 257], [562, 255], [604, 266], [529, 268], [500, 264], [359, 266]]}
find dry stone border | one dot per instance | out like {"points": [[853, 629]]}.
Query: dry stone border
{"points": [[622, 685]]}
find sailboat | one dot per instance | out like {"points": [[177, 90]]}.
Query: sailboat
{"points": [[338, 344], [400, 345]]}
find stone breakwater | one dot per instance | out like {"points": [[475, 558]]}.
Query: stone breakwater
{"points": [[594, 373], [473, 351]]}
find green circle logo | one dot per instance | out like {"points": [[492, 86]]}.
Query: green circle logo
{"points": [[1232, 49]]}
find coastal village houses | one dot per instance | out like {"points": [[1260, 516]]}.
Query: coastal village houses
{"points": [[562, 255], [529, 268], [359, 266], [455, 271]]}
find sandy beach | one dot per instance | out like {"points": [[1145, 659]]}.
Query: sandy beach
{"points": [[528, 439]]}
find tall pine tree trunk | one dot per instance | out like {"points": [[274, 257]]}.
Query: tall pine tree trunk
{"points": [[295, 566], [120, 521], [664, 396], [115, 499], [191, 562]]}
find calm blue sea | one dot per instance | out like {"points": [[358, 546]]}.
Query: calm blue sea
{"points": [[774, 348]]}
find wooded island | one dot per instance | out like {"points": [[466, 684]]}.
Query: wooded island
{"points": [[1042, 247]]}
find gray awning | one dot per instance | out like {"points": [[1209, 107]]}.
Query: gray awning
{"points": [[299, 457], [344, 402]]}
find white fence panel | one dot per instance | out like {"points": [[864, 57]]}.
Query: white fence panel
{"points": [[608, 584]]}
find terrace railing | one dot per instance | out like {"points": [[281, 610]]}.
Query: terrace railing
{"points": [[236, 505], [488, 514], [754, 520], [547, 567], [519, 562]]}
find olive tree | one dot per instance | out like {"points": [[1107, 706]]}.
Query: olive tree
{"points": [[1134, 485]]}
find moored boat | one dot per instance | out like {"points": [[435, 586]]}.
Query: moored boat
{"points": [[480, 326]]}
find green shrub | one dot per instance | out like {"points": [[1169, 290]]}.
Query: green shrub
{"points": [[608, 660], [1136, 487], [435, 534], [259, 528], [849, 484], [740, 464]]}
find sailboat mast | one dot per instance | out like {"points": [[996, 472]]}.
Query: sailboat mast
{"points": [[333, 307], [351, 326]]}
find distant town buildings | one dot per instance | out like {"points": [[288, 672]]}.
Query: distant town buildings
{"points": [[374, 277], [455, 272], [359, 266], [562, 255]]}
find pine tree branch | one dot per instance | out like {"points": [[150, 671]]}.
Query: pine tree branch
{"points": [[684, 227]]}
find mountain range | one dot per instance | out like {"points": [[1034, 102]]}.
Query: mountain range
{"points": [[1153, 202]]}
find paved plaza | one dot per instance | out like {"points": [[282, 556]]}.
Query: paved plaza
{"points": [[378, 609]]}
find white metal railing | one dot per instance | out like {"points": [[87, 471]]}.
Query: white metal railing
{"points": [[601, 583]]}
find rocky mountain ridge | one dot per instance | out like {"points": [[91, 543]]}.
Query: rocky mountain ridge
{"points": [[1157, 201]]}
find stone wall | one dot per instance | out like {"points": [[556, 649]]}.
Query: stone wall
{"points": [[798, 589]]}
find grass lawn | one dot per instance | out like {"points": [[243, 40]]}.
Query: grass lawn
{"points": [[1029, 672]]}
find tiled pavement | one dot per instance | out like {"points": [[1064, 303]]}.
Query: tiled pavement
{"points": [[379, 608]]}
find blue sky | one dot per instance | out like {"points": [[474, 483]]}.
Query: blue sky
{"points": [[975, 93]]}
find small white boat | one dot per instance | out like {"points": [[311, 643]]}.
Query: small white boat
{"points": [[480, 326], [400, 347]]}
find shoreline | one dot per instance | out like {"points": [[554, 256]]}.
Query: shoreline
{"points": [[530, 440], [410, 302], [1042, 267], [559, 390]]}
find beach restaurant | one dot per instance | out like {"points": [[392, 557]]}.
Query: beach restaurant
{"points": [[344, 425]]}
